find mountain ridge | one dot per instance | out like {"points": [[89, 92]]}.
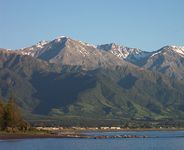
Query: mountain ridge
{"points": [[66, 51], [65, 77]]}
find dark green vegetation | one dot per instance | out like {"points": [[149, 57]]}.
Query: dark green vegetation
{"points": [[69, 122], [44, 90], [11, 118]]}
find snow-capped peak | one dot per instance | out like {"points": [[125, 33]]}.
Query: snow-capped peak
{"points": [[171, 49], [177, 49], [173, 46], [122, 51], [59, 38]]}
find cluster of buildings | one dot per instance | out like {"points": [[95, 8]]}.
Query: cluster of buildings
{"points": [[76, 128]]}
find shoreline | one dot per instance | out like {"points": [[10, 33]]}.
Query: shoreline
{"points": [[79, 136], [75, 134]]}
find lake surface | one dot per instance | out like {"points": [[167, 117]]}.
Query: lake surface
{"points": [[161, 140]]}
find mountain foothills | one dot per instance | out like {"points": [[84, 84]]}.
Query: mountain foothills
{"points": [[68, 78]]}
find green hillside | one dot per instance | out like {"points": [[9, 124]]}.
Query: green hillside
{"points": [[124, 92]]}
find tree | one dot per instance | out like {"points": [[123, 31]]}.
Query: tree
{"points": [[1, 115], [12, 115], [11, 118]]}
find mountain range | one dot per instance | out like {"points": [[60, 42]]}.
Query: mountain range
{"points": [[69, 78]]}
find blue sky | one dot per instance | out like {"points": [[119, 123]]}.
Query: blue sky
{"points": [[145, 24]]}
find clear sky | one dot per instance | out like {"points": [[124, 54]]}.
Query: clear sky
{"points": [[145, 24]]}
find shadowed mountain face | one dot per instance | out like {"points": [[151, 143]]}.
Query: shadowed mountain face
{"points": [[65, 77], [128, 81], [57, 91]]}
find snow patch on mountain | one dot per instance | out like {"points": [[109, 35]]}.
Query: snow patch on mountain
{"points": [[123, 52], [87, 44], [40, 44], [156, 53], [59, 38], [178, 49]]}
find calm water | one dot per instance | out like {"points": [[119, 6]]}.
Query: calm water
{"points": [[168, 140]]}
